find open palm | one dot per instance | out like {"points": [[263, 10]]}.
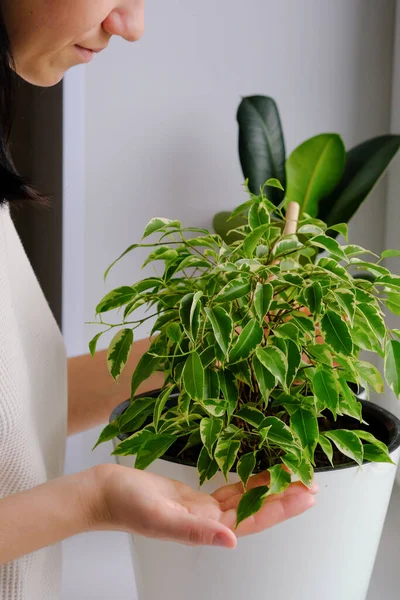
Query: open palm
{"points": [[153, 506]]}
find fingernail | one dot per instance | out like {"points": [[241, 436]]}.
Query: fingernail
{"points": [[220, 540], [314, 488]]}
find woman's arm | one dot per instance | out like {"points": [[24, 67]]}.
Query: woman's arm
{"points": [[112, 497], [93, 394]]}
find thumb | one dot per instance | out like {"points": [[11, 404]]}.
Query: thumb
{"points": [[199, 531]]}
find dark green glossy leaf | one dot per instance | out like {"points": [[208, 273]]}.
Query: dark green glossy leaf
{"points": [[326, 389], [109, 433], [265, 379], [155, 447], [116, 298], [225, 453], [132, 445], [193, 377], [251, 415], [206, 466], [251, 502], [145, 367], [245, 467], [93, 343], [261, 144], [262, 299], [222, 325], [365, 165], [304, 423], [210, 430], [229, 388], [326, 447], [280, 480], [237, 288], [275, 361], [252, 239]]}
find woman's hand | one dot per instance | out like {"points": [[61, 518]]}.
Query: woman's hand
{"points": [[146, 504]]}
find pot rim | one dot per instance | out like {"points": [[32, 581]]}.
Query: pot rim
{"points": [[385, 417]]}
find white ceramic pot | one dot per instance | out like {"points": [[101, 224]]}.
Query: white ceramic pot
{"points": [[328, 552]]}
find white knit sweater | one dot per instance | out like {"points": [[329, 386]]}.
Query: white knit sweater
{"points": [[33, 406]]}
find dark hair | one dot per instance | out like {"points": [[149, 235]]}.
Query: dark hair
{"points": [[13, 187]]}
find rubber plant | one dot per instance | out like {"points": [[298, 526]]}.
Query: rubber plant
{"points": [[328, 182], [257, 347]]}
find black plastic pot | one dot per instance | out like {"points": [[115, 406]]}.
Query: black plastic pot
{"points": [[381, 423]]}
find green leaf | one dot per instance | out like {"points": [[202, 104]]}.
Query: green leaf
{"points": [[189, 313], [390, 253], [336, 333], [280, 480], [211, 383], [265, 379], [374, 320], [160, 224], [393, 303], [155, 447], [329, 244], [326, 447], [118, 297], [251, 502], [251, 241], [286, 245], [392, 365], [215, 408], [279, 433], [137, 409], [261, 144], [109, 433], [258, 215], [222, 325], [229, 389], [390, 281], [193, 377], [163, 319], [237, 288], [348, 443], [225, 226], [301, 468], [251, 415], [341, 228], [93, 343], [348, 403], [119, 351], [325, 389], [242, 372], [210, 430], [374, 454], [132, 445], [365, 165], [174, 332], [225, 454], [162, 253], [275, 183], [245, 467], [275, 361], [294, 360], [206, 466], [371, 439], [145, 367], [309, 228], [313, 170], [370, 375], [249, 338], [346, 300], [160, 405], [304, 423], [262, 299], [313, 298]]}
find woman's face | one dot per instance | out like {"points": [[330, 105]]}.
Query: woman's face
{"points": [[50, 36]]}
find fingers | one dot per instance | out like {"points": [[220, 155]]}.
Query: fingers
{"points": [[237, 488], [293, 489], [272, 513], [192, 530]]}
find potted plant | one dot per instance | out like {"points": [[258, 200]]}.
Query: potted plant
{"points": [[328, 182], [259, 343]]}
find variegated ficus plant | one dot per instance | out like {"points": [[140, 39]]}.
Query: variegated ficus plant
{"points": [[259, 343]]}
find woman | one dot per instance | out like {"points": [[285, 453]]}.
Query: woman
{"points": [[39, 507]]}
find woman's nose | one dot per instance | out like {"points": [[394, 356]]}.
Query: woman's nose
{"points": [[126, 21]]}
